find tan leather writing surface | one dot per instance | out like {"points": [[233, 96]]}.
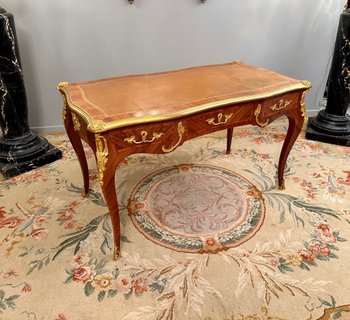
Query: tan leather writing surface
{"points": [[154, 94]]}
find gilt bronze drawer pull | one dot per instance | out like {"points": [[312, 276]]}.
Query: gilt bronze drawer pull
{"points": [[180, 131], [144, 135], [281, 105], [212, 122], [257, 114]]}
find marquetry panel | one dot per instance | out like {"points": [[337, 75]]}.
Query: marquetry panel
{"points": [[157, 137], [221, 118], [268, 110]]}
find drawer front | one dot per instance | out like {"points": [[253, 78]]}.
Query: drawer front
{"points": [[259, 112], [268, 110], [153, 137], [221, 118]]}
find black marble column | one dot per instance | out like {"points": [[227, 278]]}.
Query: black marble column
{"points": [[20, 149], [332, 125]]}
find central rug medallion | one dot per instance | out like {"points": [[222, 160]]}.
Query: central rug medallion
{"points": [[196, 208]]}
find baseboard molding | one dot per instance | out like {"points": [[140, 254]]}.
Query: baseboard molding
{"points": [[312, 113], [49, 129]]}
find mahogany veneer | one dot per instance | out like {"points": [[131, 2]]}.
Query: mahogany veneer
{"points": [[156, 113]]}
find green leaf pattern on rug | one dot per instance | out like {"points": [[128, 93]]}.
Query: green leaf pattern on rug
{"points": [[9, 300], [269, 268]]}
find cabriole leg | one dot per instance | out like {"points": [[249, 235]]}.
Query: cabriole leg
{"points": [[229, 140], [75, 140], [106, 166], [296, 121], [110, 195]]}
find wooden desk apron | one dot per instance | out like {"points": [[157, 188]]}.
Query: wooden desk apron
{"points": [[156, 113]]}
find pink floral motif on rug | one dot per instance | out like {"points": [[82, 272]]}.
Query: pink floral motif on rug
{"points": [[196, 208], [290, 263]]}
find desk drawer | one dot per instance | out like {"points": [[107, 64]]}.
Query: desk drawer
{"points": [[220, 118], [258, 112], [160, 137], [270, 109]]}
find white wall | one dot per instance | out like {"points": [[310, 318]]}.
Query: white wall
{"points": [[73, 40]]}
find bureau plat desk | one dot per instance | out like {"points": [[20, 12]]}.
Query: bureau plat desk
{"points": [[158, 112]]}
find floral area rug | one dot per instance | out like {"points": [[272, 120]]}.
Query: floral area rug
{"points": [[205, 235]]}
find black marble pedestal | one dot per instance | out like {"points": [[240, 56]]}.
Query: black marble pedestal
{"points": [[332, 125], [20, 149], [25, 153], [10, 169], [329, 128]]}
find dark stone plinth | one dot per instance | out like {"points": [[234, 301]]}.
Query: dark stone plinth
{"points": [[332, 125], [329, 128], [340, 137], [11, 169], [20, 149]]}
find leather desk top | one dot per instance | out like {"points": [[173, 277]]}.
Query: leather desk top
{"points": [[120, 101]]}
